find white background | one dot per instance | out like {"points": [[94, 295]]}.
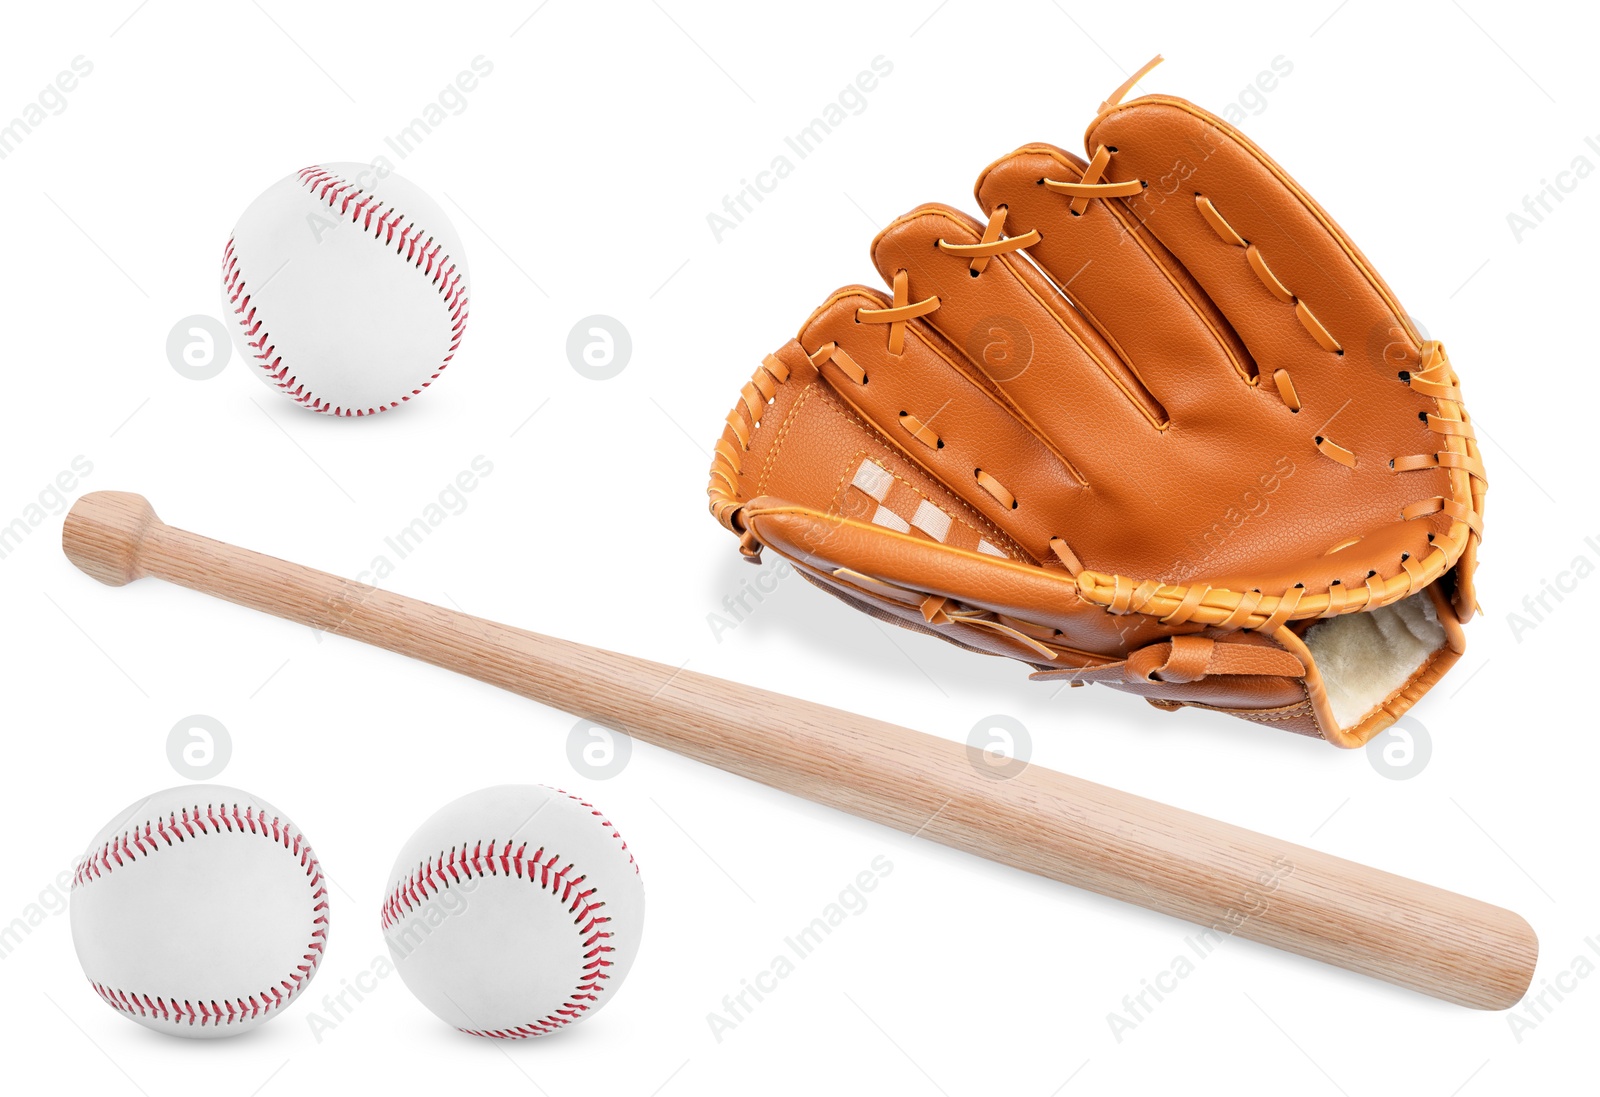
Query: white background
{"points": [[580, 175]]}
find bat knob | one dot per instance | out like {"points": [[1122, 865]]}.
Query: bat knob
{"points": [[103, 532]]}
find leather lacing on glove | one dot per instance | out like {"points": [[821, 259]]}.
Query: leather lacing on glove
{"points": [[1361, 654]]}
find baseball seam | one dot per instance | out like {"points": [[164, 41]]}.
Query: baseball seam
{"points": [[457, 864], [121, 852], [388, 227]]}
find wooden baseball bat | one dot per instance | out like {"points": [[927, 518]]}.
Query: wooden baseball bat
{"points": [[1233, 881]]}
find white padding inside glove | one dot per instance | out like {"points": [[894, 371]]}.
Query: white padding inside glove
{"points": [[1365, 657]]}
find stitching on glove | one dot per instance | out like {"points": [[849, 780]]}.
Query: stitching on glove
{"points": [[1230, 235], [995, 488], [728, 461], [1286, 390], [781, 436], [835, 353], [991, 244], [1335, 451], [1064, 553], [1460, 455], [1295, 713], [904, 309], [920, 431], [1091, 186], [1308, 320]]}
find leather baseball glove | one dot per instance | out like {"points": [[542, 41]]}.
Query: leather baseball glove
{"points": [[1153, 422]]}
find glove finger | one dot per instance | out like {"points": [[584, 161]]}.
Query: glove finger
{"points": [[1043, 358], [1298, 292], [1122, 280]]}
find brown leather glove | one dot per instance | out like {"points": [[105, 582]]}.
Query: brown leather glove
{"points": [[1156, 423]]}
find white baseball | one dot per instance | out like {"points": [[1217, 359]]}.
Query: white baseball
{"points": [[514, 911], [344, 290], [199, 911]]}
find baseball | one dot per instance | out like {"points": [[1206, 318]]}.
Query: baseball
{"points": [[514, 911], [199, 911], [345, 290]]}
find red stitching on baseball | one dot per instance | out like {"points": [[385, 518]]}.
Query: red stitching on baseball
{"points": [[437, 266], [541, 870], [123, 850]]}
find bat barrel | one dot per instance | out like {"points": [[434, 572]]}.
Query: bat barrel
{"points": [[1232, 881]]}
